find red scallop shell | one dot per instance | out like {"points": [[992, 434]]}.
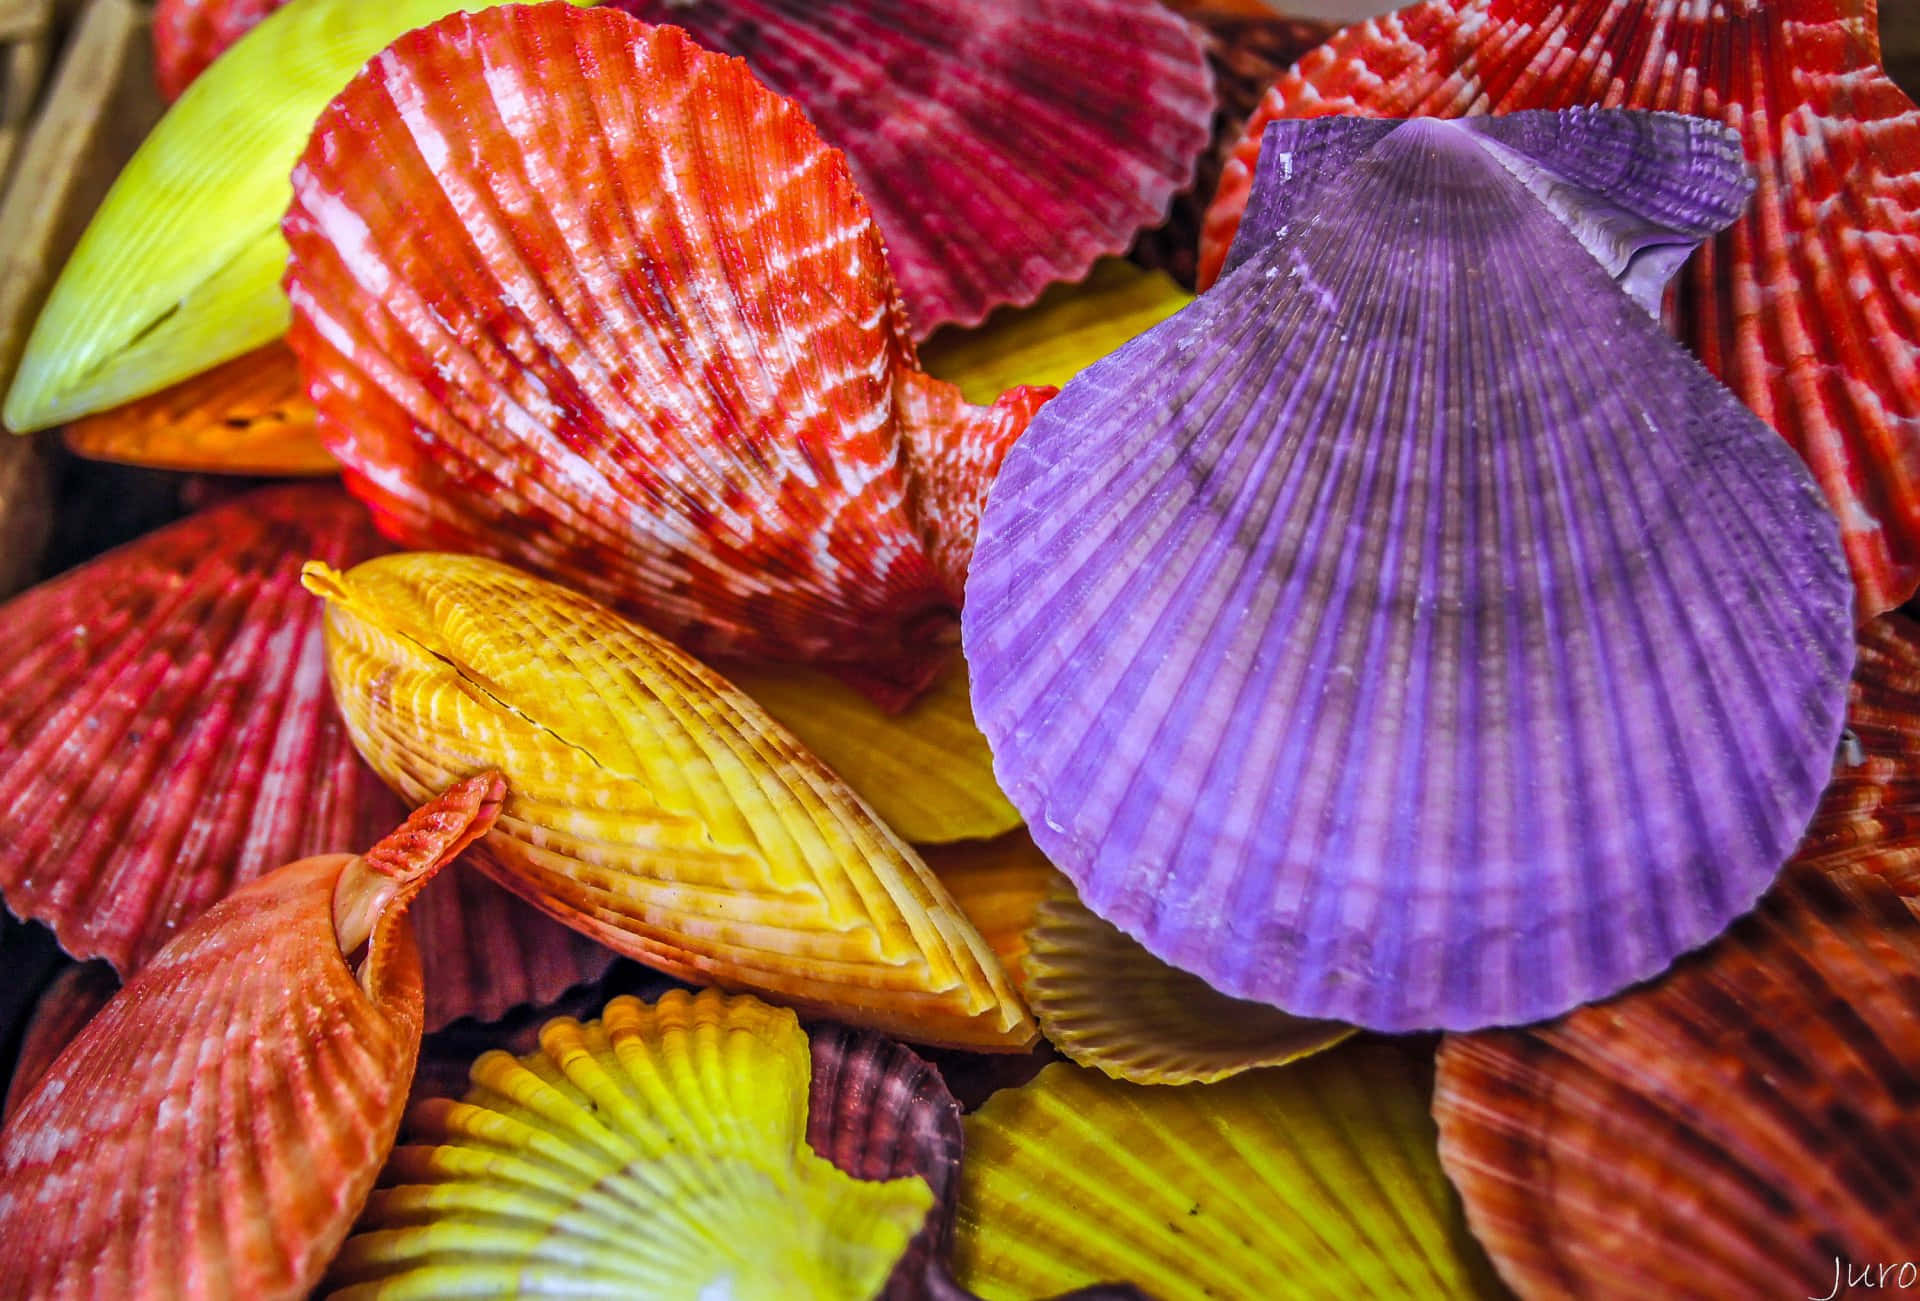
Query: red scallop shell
{"points": [[215, 1129], [1809, 307], [65, 1006], [167, 734], [1003, 144], [190, 34], [574, 293]]}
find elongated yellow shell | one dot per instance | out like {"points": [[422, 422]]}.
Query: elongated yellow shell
{"points": [[659, 1151], [1066, 331], [180, 267], [652, 805], [926, 771], [1316, 1180]]}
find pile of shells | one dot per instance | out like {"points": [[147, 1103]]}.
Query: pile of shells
{"points": [[973, 648]]}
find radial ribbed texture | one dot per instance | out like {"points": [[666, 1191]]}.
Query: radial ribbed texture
{"points": [[165, 727], [571, 291], [1107, 1003], [166, 734], [926, 770], [1742, 1128], [1248, 45], [653, 805], [1869, 816], [1068, 329], [62, 1011], [190, 34], [247, 416], [1000, 885], [659, 1151], [486, 951], [1318, 1180], [216, 1127], [1003, 144], [1835, 147], [1408, 633], [877, 1111]]}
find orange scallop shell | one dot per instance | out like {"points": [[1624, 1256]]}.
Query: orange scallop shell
{"points": [[1869, 815], [215, 1129], [1834, 145], [574, 293], [1732, 1130]]}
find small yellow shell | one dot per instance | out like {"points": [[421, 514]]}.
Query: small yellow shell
{"points": [[1106, 1002], [658, 1152], [652, 805]]}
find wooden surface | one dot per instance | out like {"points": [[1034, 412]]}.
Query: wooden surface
{"points": [[100, 106]]}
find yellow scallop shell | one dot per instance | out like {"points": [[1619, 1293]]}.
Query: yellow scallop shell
{"points": [[1317, 1180], [659, 1151]]}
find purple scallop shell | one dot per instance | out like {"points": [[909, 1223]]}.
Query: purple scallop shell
{"points": [[1408, 632]]}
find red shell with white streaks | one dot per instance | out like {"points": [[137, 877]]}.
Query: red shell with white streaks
{"points": [[574, 293], [1809, 307], [1003, 144], [166, 735], [215, 1129], [190, 34]]}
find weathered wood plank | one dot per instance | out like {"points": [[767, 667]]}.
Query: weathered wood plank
{"points": [[100, 106]]}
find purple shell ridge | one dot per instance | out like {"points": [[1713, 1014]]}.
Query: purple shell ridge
{"points": [[1409, 633], [1640, 191]]}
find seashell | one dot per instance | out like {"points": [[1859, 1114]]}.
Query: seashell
{"points": [[1746, 1126], [246, 416], [190, 34], [999, 885], [166, 734], [1319, 1180], [486, 952], [1107, 1003], [26, 511], [693, 410], [62, 1011], [878, 1111], [1869, 815], [1264, 682], [658, 1151], [180, 267], [1832, 142], [654, 807], [926, 770], [213, 1131], [1249, 45], [1068, 329], [165, 730], [1003, 144]]}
